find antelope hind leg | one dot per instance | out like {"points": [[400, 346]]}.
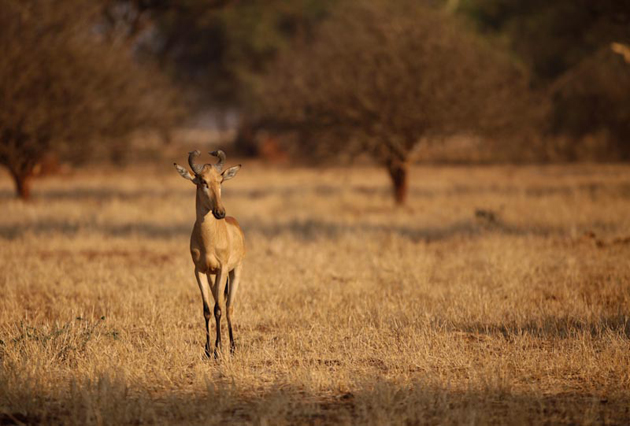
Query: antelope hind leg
{"points": [[235, 278]]}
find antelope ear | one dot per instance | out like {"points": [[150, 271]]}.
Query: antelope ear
{"points": [[183, 172], [230, 173]]}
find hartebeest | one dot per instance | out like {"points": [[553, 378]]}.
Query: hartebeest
{"points": [[216, 244]]}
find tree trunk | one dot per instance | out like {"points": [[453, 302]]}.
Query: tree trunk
{"points": [[22, 183], [400, 180], [118, 152], [245, 142]]}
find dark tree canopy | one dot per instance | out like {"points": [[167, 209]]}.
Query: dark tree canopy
{"points": [[382, 77], [569, 46], [216, 47], [62, 87], [594, 98], [552, 36]]}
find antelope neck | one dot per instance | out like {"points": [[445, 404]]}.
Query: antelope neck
{"points": [[203, 211]]}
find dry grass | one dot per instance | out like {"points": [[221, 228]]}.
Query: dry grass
{"points": [[350, 311]]}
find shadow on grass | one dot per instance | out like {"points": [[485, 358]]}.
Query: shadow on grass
{"points": [[313, 230], [534, 191], [377, 401], [100, 194], [305, 230], [68, 229], [552, 327]]}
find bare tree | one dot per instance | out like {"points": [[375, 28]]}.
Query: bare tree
{"points": [[380, 77], [62, 87]]}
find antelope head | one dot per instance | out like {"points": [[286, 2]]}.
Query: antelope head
{"points": [[208, 178]]}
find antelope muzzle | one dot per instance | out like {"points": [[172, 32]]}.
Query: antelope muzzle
{"points": [[219, 213]]}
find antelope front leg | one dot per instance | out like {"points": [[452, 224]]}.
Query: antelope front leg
{"points": [[206, 307], [218, 291]]}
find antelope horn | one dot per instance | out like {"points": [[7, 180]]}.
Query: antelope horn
{"points": [[191, 160], [221, 155]]}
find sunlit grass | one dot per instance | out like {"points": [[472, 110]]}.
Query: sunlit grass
{"points": [[482, 302]]}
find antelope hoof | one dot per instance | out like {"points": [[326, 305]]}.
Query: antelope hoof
{"points": [[232, 349]]}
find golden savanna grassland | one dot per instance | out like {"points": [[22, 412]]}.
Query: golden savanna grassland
{"points": [[500, 295]]}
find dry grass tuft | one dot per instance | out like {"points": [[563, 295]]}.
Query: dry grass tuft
{"points": [[500, 296]]}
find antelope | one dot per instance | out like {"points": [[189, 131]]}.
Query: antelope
{"points": [[216, 243]]}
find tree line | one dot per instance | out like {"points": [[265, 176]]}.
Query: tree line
{"points": [[334, 78]]}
